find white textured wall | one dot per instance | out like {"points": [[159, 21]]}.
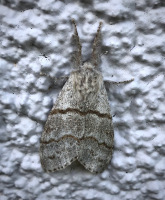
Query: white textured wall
{"points": [[35, 47]]}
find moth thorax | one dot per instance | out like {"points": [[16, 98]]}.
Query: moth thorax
{"points": [[87, 83]]}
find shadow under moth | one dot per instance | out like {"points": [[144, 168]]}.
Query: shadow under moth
{"points": [[79, 126]]}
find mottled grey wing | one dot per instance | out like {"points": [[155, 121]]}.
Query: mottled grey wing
{"points": [[96, 146], [71, 133], [64, 127]]}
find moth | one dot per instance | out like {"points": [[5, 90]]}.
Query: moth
{"points": [[79, 126]]}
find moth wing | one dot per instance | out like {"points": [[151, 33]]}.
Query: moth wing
{"points": [[96, 147], [69, 135], [59, 140]]}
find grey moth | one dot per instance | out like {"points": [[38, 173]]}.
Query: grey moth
{"points": [[79, 126]]}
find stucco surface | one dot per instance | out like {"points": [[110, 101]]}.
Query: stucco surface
{"points": [[36, 50]]}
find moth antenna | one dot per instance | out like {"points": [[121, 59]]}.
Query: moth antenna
{"points": [[77, 54], [97, 47]]}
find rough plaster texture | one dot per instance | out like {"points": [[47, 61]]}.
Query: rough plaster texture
{"points": [[35, 47]]}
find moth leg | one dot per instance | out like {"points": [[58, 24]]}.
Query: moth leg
{"points": [[97, 47], [77, 55], [61, 78], [115, 82]]}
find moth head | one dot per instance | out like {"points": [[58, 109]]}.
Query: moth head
{"points": [[87, 65]]}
